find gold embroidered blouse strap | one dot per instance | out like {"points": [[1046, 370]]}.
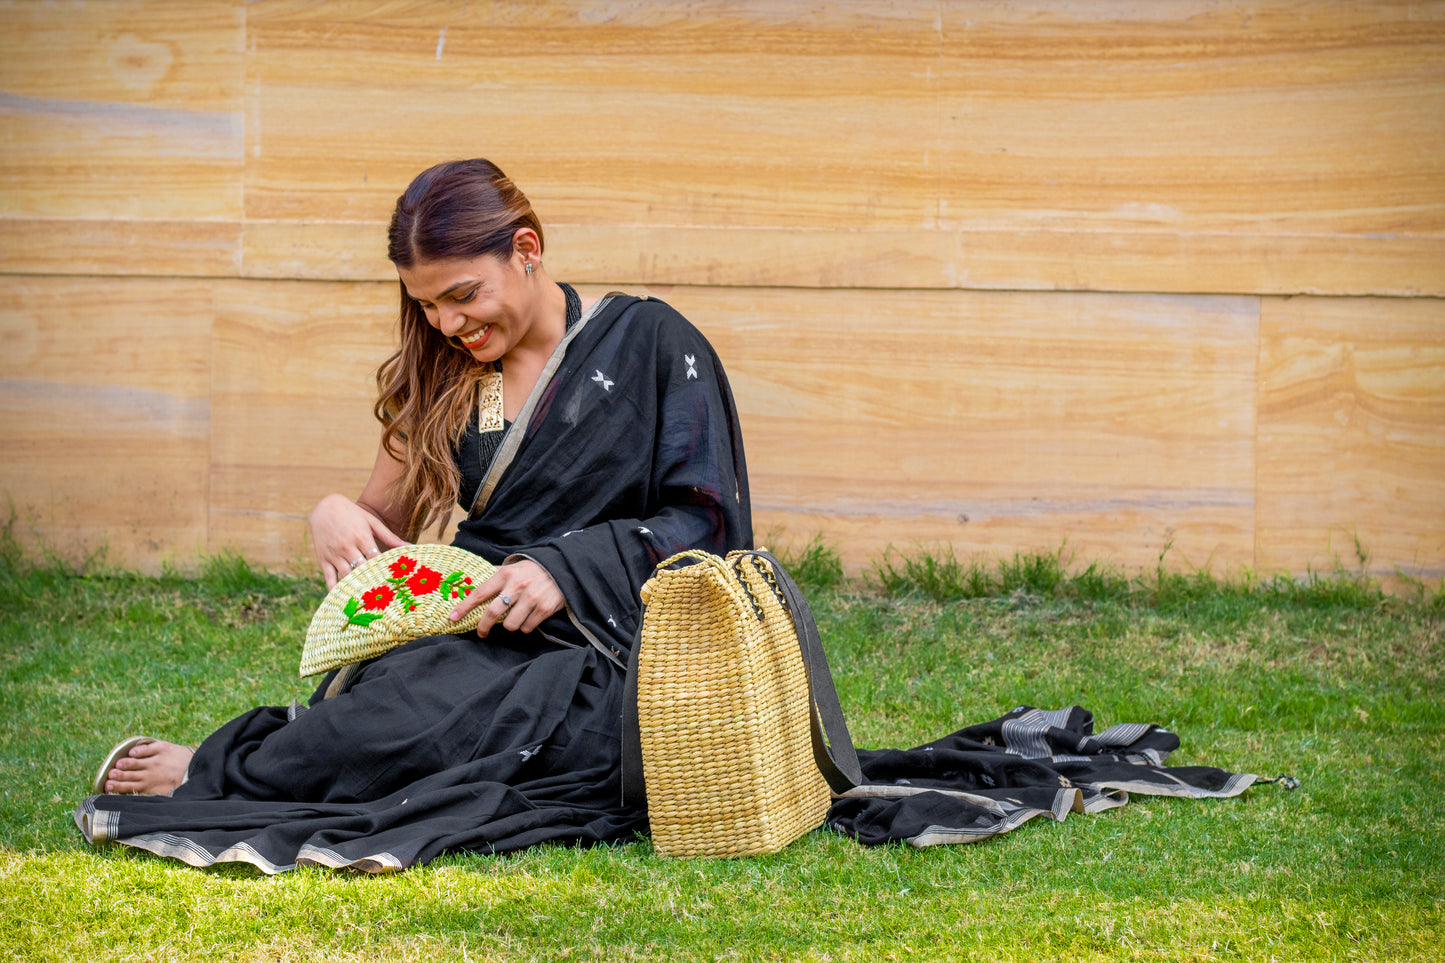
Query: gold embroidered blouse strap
{"points": [[489, 401], [518, 431]]}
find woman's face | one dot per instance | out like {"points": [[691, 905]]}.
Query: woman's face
{"points": [[482, 304]]}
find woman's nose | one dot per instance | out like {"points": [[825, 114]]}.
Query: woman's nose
{"points": [[449, 320]]}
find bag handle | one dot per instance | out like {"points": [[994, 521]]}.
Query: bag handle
{"points": [[832, 745]]}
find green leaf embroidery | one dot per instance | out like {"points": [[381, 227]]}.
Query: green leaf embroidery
{"points": [[353, 617], [452, 586]]}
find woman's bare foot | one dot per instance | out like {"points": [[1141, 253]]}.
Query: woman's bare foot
{"points": [[152, 769]]}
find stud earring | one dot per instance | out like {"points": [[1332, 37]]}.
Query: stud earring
{"points": [[529, 267]]}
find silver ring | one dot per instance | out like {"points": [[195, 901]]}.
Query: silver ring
{"points": [[357, 562], [505, 600]]}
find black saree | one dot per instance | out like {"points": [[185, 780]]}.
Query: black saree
{"points": [[627, 453]]}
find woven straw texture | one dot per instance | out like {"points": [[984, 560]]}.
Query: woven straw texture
{"points": [[390, 599], [723, 710]]}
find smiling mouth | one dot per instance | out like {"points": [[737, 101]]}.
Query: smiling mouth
{"points": [[474, 338]]}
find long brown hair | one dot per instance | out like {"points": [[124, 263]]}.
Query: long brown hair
{"points": [[427, 390]]}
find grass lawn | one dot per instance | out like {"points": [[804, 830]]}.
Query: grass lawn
{"points": [[1327, 680]]}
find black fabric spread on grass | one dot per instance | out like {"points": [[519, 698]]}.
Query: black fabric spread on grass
{"points": [[989, 778], [451, 743]]}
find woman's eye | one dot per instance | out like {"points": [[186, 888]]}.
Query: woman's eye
{"points": [[464, 298]]}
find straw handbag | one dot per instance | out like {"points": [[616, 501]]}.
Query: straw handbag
{"points": [[732, 698]]}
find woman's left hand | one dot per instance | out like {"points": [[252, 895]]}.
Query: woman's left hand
{"points": [[519, 597]]}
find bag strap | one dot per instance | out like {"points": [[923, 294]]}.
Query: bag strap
{"points": [[836, 757], [634, 789], [832, 746]]}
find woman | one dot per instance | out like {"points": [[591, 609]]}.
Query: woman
{"points": [[587, 446]]}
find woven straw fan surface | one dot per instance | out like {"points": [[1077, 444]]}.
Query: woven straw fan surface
{"points": [[402, 594]]}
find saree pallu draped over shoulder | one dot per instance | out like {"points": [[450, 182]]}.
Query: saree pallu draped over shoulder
{"points": [[627, 452]]}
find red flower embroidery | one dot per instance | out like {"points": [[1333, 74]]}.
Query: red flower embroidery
{"points": [[378, 598], [408, 580], [424, 581]]}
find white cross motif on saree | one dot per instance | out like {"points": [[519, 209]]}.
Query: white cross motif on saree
{"points": [[691, 371], [603, 380]]}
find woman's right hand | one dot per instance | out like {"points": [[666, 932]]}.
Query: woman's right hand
{"points": [[345, 534]]}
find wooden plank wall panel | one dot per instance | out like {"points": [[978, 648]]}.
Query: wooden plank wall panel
{"points": [[1291, 117], [1023, 260], [995, 421], [292, 390], [1352, 435], [867, 257], [105, 389], [123, 131], [651, 112], [989, 421], [1058, 226], [95, 246], [1041, 146]]}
